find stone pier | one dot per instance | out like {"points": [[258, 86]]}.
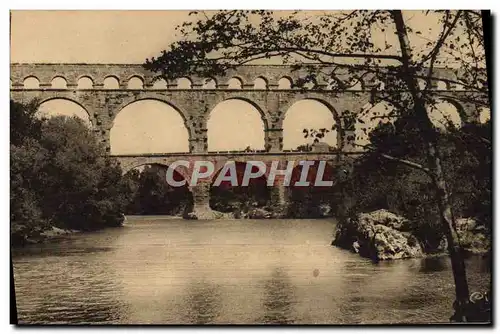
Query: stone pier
{"points": [[279, 199], [201, 201]]}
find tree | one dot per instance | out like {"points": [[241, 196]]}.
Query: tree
{"points": [[27, 158], [377, 183], [341, 46], [81, 184], [60, 176], [23, 122], [26, 216]]}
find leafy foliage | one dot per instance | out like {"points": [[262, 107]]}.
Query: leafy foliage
{"points": [[341, 48], [376, 183], [60, 176]]}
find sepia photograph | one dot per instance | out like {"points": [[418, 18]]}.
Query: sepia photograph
{"points": [[251, 167]]}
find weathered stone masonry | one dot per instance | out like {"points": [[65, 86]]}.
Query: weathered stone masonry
{"points": [[195, 104]]}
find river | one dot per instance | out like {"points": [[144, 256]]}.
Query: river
{"points": [[168, 271]]}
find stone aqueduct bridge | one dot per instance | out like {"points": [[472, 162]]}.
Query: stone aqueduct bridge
{"points": [[195, 101]]}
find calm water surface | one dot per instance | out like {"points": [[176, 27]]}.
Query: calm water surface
{"points": [[165, 271]]}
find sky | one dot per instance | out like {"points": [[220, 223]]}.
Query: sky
{"points": [[91, 36], [133, 36]]}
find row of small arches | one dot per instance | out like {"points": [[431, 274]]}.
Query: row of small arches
{"points": [[137, 83]]}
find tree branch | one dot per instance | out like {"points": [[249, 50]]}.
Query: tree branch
{"points": [[402, 161]]}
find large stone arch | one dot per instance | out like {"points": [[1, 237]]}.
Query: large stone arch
{"points": [[128, 166], [87, 109], [220, 98], [128, 101], [264, 116], [163, 103], [285, 107], [459, 106]]}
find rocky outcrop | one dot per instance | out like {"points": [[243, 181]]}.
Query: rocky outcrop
{"points": [[378, 235], [52, 233], [259, 213]]}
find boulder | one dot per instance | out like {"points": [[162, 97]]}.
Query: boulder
{"points": [[378, 235], [259, 213], [191, 216], [223, 215], [386, 218]]}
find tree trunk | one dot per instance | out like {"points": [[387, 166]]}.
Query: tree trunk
{"points": [[448, 221], [434, 161]]}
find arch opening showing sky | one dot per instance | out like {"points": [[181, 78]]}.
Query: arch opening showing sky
{"points": [[135, 83], [443, 113], [59, 83], [484, 115], [373, 115], [111, 83], [235, 125], [85, 83], [307, 114], [62, 107], [149, 126], [370, 117], [31, 83]]}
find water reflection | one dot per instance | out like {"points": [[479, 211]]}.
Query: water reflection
{"points": [[72, 291], [278, 298], [433, 264], [351, 309], [80, 307], [203, 303]]}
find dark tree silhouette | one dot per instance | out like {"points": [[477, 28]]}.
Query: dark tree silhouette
{"points": [[341, 47]]}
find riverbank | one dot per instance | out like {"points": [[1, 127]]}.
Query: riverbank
{"points": [[53, 233]]}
